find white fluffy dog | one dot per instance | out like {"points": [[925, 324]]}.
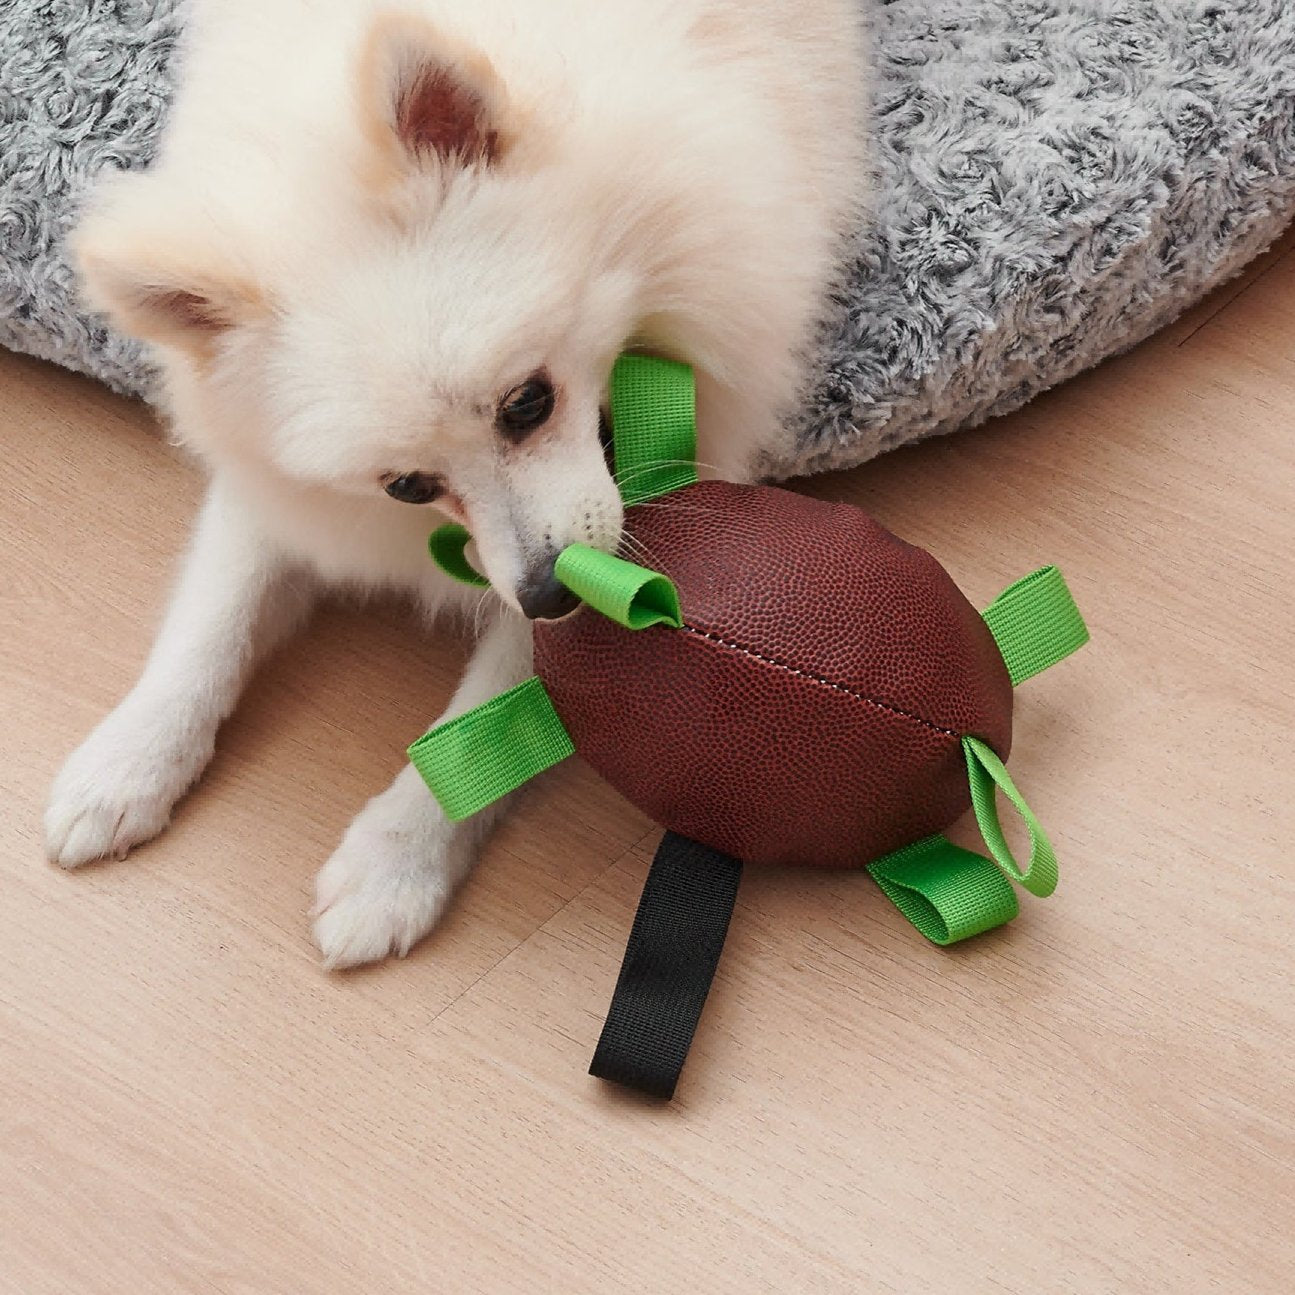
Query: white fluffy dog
{"points": [[386, 257]]}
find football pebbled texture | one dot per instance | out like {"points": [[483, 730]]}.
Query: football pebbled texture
{"points": [[812, 707]]}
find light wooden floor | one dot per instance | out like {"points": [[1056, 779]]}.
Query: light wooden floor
{"points": [[1098, 1099]]}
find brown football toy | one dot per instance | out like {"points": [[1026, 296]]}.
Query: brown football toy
{"points": [[790, 684]]}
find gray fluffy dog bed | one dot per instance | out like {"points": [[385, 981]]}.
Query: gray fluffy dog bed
{"points": [[1056, 180]]}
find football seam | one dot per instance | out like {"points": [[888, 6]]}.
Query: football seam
{"points": [[809, 674]]}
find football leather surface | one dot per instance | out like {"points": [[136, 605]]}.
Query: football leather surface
{"points": [[812, 707]]}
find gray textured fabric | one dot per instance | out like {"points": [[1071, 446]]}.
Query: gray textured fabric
{"points": [[1055, 181], [1058, 179], [83, 85]]}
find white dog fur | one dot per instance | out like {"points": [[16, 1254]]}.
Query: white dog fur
{"points": [[366, 224]]}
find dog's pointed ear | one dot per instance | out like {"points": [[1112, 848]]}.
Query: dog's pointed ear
{"points": [[425, 99], [166, 303], [156, 273]]}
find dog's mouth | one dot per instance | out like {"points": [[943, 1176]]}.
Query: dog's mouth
{"points": [[606, 441]]}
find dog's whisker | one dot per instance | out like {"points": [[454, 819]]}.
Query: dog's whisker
{"points": [[624, 477], [480, 611], [636, 548]]}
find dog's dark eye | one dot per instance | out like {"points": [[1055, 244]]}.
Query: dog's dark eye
{"points": [[414, 487], [525, 408]]}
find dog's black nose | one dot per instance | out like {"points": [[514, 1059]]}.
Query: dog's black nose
{"points": [[543, 597]]}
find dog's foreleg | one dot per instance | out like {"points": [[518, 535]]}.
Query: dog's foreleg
{"points": [[236, 598], [389, 881]]}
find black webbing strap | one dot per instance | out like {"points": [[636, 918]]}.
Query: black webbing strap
{"points": [[670, 960]]}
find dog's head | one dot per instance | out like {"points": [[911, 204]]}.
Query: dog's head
{"points": [[426, 304]]}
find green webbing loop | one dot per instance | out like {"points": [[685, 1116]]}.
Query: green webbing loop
{"points": [[446, 544], [947, 892], [633, 597], [654, 427], [987, 776], [1035, 623], [471, 761]]}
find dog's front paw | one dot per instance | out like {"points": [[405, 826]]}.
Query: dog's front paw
{"points": [[119, 787], [388, 882]]}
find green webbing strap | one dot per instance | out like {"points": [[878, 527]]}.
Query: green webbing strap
{"points": [[947, 892], [633, 597], [446, 544], [471, 761], [1035, 623], [654, 427], [987, 777]]}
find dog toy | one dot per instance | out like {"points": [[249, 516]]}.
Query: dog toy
{"points": [[791, 685]]}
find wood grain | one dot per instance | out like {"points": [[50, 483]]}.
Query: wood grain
{"points": [[1097, 1099]]}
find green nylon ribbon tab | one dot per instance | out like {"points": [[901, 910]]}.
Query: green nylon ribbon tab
{"points": [[446, 544], [470, 762], [1035, 623], [654, 427], [947, 892], [633, 597], [987, 776]]}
